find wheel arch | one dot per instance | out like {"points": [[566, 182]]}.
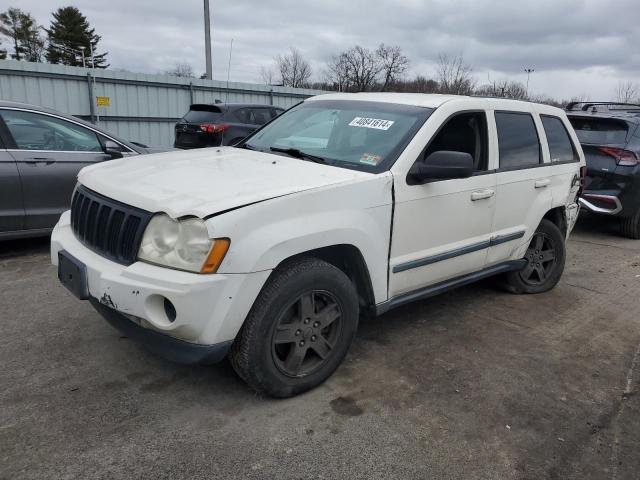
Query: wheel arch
{"points": [[558, 217], [349, 259]]}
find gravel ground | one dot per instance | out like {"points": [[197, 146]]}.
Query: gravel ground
{"points": [[475, 383]]}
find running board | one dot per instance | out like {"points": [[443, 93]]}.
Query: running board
{"points": [[442, 287]]}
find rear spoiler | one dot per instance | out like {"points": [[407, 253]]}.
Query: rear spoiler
{"points": [[205, 107], [611, 106]]}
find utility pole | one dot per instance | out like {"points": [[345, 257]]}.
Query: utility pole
{"points": [[82, 47], [207, 40], [229, 68], [528, 71]]}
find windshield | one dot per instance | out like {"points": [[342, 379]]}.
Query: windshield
{"points": [[353, 134]]}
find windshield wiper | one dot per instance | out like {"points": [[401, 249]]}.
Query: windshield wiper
{"points": [[294, 152]]}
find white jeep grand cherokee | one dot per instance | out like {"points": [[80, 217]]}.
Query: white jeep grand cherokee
{"points": [[346, 204]]}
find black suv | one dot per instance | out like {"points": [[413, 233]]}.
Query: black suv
{"points": [[610, 138], [212, 125]]}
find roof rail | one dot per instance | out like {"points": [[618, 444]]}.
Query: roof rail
{"points": [[587, 105]]}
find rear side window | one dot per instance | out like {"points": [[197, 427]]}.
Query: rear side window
{"points": [[600, 131], [203, 114], [260, 116], [560, 145], [518, 142]]}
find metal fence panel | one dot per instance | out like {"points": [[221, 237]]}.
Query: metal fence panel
{"points": [[142, 108]]}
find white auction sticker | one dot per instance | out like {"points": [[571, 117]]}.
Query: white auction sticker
{"points": [[376, 123]]}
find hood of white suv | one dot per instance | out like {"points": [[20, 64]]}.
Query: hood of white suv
{"points": [[206, 181]]}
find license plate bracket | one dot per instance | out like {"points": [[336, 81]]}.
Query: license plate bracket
{"points": [[72, 273]]}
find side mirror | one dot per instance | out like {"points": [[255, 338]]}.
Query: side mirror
{"points": [[441, 165], [112, 149]]}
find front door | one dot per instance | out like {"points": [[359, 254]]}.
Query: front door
{"points": [[11, 208], [442, 229], [49, 152]]}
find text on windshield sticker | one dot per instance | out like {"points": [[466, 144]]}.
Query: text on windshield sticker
{"points": [[376, 123]]}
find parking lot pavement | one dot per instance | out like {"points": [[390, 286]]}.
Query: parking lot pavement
{"points": [[472, 384]]}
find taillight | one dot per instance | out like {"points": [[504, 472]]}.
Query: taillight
{"points": [[583, 179], [625, 158], [214, 127]]}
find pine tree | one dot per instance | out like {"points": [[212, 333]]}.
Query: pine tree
{"points": [[12, 25], [69, 31], [31, 42]]}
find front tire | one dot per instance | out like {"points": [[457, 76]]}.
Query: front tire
{"points": [[299, 329], [545, 262], [630, 226]]}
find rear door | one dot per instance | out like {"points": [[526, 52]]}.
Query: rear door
{"points": [[247, 120], [11, 207], [49, 151], [523, 181]]}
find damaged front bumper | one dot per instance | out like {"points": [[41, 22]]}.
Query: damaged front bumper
{"points": [[185, 317]]}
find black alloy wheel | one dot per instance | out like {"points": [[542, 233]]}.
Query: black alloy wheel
{"points": [[305, 333], [541, 260]]}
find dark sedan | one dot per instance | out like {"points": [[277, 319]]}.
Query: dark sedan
{"points": [[212, 125], [41, 153]]}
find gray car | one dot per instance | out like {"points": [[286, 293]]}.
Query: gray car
{"points": [[41, 152]]}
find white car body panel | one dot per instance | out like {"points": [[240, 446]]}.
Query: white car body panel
{"points": [[202, 182], [274, 207]]}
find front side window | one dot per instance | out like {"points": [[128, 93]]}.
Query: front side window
{"points": [[465, 132], [361, 135], [34, 131], [560, 146], [518, 143]]}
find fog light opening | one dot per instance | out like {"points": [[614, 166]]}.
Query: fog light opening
{"points": [[169, 310]]}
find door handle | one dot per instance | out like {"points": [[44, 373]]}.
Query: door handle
{"points": [[482, 194], [542, 183], [37, 160]]}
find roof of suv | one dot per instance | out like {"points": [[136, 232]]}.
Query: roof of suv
{"points": [[623, 111], [434, 100]]}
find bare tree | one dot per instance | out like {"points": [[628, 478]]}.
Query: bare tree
{"points": [[337, 74], [181, 70], [503, 89], [627, 92], [361, 67], [294, 70], [268, 75], [455, 75], [393, 64]]}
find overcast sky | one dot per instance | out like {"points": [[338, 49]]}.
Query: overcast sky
{"points": [[577, 47]]}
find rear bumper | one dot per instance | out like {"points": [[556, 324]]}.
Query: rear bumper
{"points": [[601, 203], [172, 349], [612, 193]]}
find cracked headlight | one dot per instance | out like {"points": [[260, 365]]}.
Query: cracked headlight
{"points": [[182, 244]]}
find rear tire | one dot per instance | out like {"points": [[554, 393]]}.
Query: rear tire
{"points": [[545, 262], [299, 329], [630, 226]]}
